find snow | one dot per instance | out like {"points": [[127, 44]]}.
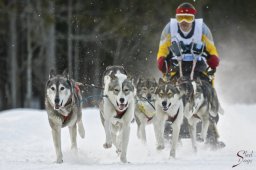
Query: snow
{"points": [[26, 143]]}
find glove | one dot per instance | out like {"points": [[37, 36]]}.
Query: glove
{"points": [[161, 64], [211, 72], [213, 61]]}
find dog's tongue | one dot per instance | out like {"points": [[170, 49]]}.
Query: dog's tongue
{"points": [[121, 106]]}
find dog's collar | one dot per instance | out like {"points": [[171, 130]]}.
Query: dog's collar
{"points": [[66, 118], [119, 114], [172, 119]]}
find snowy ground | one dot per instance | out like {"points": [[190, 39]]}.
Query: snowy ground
{"points": [[26, 143]]}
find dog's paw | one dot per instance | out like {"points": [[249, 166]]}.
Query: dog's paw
{"points": [[160, 147], [123, 159], [107, 145], [195, 149], [172, 154], [118, 152], [59, 161], [200, 139]]}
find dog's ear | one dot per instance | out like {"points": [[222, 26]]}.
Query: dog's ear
{"points": [[161, 81], [154, 81], [108, 67], [112, 76], [129, 77], [52, 74], [65, 74], [140, 80]]}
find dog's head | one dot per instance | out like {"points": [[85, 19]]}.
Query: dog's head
{"points": [[167, 94], [120, 92], [58, 89], [187, 89], [146, 88]]}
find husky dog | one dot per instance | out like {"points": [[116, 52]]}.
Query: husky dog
{"points": [[63, 105], [201, 105], [169, 107], [117, 109], [145, 106]]}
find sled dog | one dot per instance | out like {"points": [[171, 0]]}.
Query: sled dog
{"points": [[117, 109], [169, 107], [145, 105], [201, 105], [63, 105]]}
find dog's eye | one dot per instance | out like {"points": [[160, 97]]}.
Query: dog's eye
{"points": [[152, 89], [144, 89], [116, 90], [52, 88], [169, 94], [126, 90], [62, 88], [161, 94]]}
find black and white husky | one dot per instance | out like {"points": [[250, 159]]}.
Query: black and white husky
{"points": [[201, 105], [169, 107], [117, 109], [63, 105], [145, 105]]}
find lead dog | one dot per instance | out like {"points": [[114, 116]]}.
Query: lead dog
{"points": [[117, 109], [169, 107], [63, 105]]}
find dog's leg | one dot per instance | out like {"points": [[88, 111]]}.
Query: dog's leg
{"points": [[175, 137], [159, 132], [125, 140], [73, 134], [143, 133], [138, 126], [114, 132], [192, 131], [105, 118], [81, 130], [205, 126], [108, 143], [56, 135]]}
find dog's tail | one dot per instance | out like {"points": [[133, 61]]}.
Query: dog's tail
{"points": [[81, 129]]}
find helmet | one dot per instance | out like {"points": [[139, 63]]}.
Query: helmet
{"points": [[186, 8]]}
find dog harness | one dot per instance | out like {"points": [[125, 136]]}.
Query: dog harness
{"points": [[149, 115], [119, 114], [172, 119]]}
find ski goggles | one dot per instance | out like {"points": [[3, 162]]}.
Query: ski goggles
{"points": [[189, 18]]}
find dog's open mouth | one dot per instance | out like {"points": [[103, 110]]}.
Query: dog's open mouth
{"points": [[57, 107], [122, 106], [165, 108]]}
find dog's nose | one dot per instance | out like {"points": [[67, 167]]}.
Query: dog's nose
{"points": [[149, 96], [57, 100], [121, 100], [164, 103]]}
